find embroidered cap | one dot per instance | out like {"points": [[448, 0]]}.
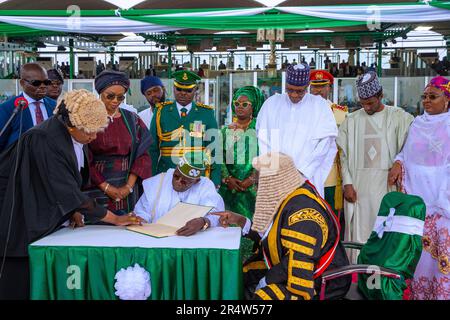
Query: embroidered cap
{"points": [[298, 75], [193, 164], [368, 85]]}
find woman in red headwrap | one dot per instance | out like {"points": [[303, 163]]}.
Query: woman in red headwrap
{"points": [[118, 157]]}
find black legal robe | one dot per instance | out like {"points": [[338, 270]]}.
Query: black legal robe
{"points": [[301, 234], [45, 190], [39, 190]]}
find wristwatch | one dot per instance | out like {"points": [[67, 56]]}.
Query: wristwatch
{"points": [[130, 187], [206, 225]]}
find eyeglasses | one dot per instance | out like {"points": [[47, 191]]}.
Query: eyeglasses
{"points": [[185, 90], [244, 104], [299, 92], [111, 97], [430, 96], [38, 83]]}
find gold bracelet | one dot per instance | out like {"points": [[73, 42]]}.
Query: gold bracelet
{"points": [[106, 188]]}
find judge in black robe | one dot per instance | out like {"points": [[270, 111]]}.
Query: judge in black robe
{"points": [[40, 185], [297, 235]]}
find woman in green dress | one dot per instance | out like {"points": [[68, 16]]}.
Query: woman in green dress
{"points": [[240, 146]]}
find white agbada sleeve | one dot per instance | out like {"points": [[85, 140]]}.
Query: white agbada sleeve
{"points": [[210, 197], [319, 160], [263, 126], [203, 193], [145, 203], [343, 143], [399, 157], [404, 123]]}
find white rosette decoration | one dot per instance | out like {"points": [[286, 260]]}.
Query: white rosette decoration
{"points": [[133, 283]]}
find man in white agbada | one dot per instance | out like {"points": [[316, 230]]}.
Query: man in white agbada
{"points": [[182, 184], [300, 125], [370, 138]]}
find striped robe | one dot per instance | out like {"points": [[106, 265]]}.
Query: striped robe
{"points": [[301, 233]]}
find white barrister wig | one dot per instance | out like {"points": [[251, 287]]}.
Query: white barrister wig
{"points": [[133, 283]]}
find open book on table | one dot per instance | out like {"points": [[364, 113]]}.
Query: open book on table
{"points": [[173, 220]]}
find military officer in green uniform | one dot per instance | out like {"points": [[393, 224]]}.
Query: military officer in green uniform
{"points": [[180, 126]]}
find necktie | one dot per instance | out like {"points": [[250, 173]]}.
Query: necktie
{"points": [[38, 113], [183, 112]]}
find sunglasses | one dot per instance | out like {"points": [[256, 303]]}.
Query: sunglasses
{"points": [[244, 104], [112, 96], [185, 90], [38, 83], [430, 96]]}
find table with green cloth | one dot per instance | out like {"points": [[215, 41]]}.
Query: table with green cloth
{"points": [[78, 264]]}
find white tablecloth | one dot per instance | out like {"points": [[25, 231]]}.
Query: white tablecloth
{"points": [[110, 236]]}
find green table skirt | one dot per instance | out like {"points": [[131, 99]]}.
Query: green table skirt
{"points": [[85, 273]]}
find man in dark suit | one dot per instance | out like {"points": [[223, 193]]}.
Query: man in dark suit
{"points": [[34, 82]]}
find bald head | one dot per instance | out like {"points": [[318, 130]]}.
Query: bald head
{"points": [[33, 80], [31, 68]]}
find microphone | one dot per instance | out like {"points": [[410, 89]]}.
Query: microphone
{"points": [[20, 103]]}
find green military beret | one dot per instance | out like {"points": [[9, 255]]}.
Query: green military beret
{"points": [[193, 164], [185, 79]]}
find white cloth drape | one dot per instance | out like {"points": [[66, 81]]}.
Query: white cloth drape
{"points": [[386, 13], [113, 236], [117, 24], [92, 25], [218, 13]]}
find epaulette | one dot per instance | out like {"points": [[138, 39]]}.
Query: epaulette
{"points": [[342, 108], [310, 214], [204, 106], [162, 104]]}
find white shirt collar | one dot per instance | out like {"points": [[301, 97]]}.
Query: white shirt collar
{"points": [[78, 148], [188, 107], [30, 99]]}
